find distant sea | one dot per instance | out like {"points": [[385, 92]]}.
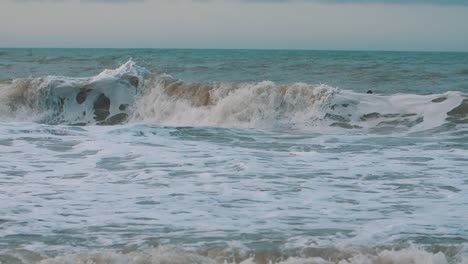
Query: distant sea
{"points": [[233, 156]]}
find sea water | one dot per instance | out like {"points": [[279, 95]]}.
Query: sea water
{"points": [[233, 156]]}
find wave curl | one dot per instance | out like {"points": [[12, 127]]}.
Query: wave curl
{"points": [[131, 94]]}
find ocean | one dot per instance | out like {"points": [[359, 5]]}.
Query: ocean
{"points": [[233, 156]]}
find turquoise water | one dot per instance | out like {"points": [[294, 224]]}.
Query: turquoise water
{"points": [[233, 156], [385, 72]]}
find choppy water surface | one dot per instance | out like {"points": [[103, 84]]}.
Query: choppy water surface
{"points": [[236, 156]]}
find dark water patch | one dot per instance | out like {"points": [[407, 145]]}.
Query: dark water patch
{"points": [[460, 139], [312, 175], [402, 122], [370, 116], [52, 130], [60, 145], [79, 124], [402, 187], [78, 155], [429, 132], [345, 125], [58, 131], [354, 149], [450, 188], [14, 173], [123, 107], [346, 105], [75, 175], [337, 118], [193, 132], [181, 173], [459, 133], [460, 111], [385, 130], [344, 200], [388, 176], [6, 142], [279, 147], [400, 208], [283, 137], [76, 128], [457, 120], [115, 119], [372, 177], [101, 107], [439, 100], [464, 72], [390, 115], [412, 159], [150, 144], [419, 164], [82, 95], [3, 221], [135, 132], [449, 145], [116, 163], [147, 202], [71, 215], [461, 159], [147, 165], [376, 115], [459, 115], [50, 197], [52, 144], [134, 81], [223, 136]]}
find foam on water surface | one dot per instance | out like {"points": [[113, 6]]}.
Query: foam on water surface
{"points": [[173, 255], [102, 99], [127, 94], [68, 189], [160, 170]]}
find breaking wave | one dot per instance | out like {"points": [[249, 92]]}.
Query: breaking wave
{"points": [[131, 94], [174, 255]]}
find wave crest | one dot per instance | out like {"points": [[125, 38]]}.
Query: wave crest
{"points": [[130, 94], [174, 255], [102, 99], [261, 105]]}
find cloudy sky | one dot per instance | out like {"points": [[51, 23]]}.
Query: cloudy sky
{"points": [[270, 24]]}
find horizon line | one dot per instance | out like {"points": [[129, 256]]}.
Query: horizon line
{"points": [[246, 49]]}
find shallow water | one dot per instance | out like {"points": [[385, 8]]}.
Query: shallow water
{"points": [[222, 168]]}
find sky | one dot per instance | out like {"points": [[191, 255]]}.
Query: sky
{"points": [[423, 25]]}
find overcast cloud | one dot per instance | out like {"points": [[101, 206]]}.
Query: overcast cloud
{"points": [[400, 2], [277, 24]]}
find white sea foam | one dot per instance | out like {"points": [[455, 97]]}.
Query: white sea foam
{"points": [[118, 194], [174, 255], [261, 105], [56, 99], [127, 94], [108, 186]]}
